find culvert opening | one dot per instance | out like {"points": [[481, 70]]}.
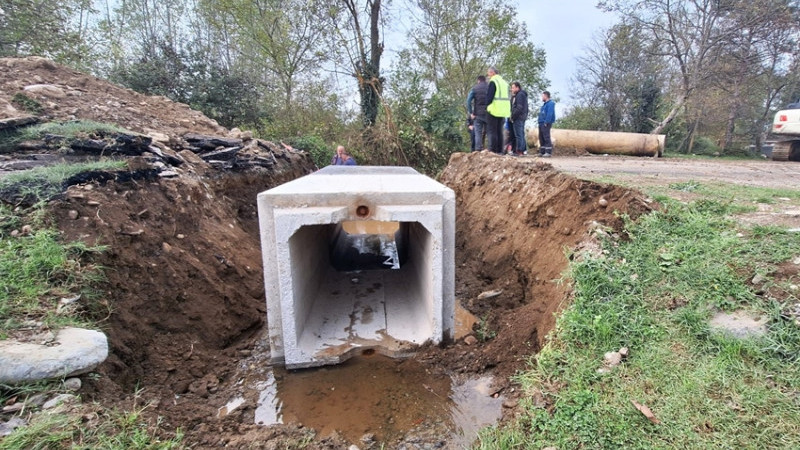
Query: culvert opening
{"points": [[369, 245], [359, 284]]}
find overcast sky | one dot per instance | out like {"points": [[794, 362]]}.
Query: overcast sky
{"points": [[563, 28]]}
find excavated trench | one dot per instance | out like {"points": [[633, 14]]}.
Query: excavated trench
{"points": [[187, 317]]}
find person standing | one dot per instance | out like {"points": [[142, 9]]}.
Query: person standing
{"points": [[519, 114], [476, 110], [547, 115], [498, 109]]}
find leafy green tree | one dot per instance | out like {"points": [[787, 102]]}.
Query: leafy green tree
{"points": [[56, 30], [284, 36], [456, 40]]}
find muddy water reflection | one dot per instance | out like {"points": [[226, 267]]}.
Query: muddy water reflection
{"points": [[388, 398]]}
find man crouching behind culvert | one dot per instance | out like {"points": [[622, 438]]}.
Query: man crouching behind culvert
{"points": [[547, 115]]}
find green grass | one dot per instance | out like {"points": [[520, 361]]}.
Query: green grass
{"points": [[62, 133], [44, 183], [654, 293], [37, 268], [104, 429]]}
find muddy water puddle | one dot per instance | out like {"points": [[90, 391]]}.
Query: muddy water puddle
{"points": [[394, 401]]}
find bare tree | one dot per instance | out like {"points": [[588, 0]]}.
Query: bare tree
{"points": [[358, 40], [688, 34]]}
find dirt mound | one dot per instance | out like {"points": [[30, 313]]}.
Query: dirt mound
{"points": [[58, 93], [516, 221]]}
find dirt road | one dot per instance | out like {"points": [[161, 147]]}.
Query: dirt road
{"points": [[660, 171]]}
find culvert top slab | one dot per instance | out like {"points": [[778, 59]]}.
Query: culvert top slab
{"points": [[357, 259]]}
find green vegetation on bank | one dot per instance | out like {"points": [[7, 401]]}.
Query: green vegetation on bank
{"points": [[43, 183], [104, 429], [37, 270], [654, 292], [64, 133]]}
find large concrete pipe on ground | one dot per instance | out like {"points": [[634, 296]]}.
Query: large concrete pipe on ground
{"points": [[357, 259], [603, 142]]}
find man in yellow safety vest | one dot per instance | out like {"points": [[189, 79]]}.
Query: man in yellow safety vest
{"points": [[498, 110]]}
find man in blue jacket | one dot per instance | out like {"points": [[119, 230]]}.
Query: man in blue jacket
{"points": [[547, 115]]}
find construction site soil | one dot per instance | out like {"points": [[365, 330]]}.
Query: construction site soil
{"points": [[185, 295]]}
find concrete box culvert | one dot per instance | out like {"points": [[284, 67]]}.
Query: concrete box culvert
{"points": [[357, 259]]}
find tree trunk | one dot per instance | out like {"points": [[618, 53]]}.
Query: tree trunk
{"points": [[671, 116], [732, 116], [370, 81]]}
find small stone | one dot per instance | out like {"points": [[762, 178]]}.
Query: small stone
{"points": [[15, 233], [180, 236], [46, 90], [13, 423], [793, 287], [72, 384], [59, 399], [13, 408], [624, 352], [353, 447], [354, 280], [612, 359], [489, 294], [69, 300], [796, 261], [551, 212], [566, 231], [27, 229], [368, 438], [72, 214], [758, 279], [36, 400], [470, 340], [550, 448], [93, 203], [602, 202]]}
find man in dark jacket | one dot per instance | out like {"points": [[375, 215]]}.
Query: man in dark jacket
{"points": [[519, 114], [476, 110]]}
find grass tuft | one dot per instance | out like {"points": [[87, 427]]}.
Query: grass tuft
{"points": [[44, 183]]}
